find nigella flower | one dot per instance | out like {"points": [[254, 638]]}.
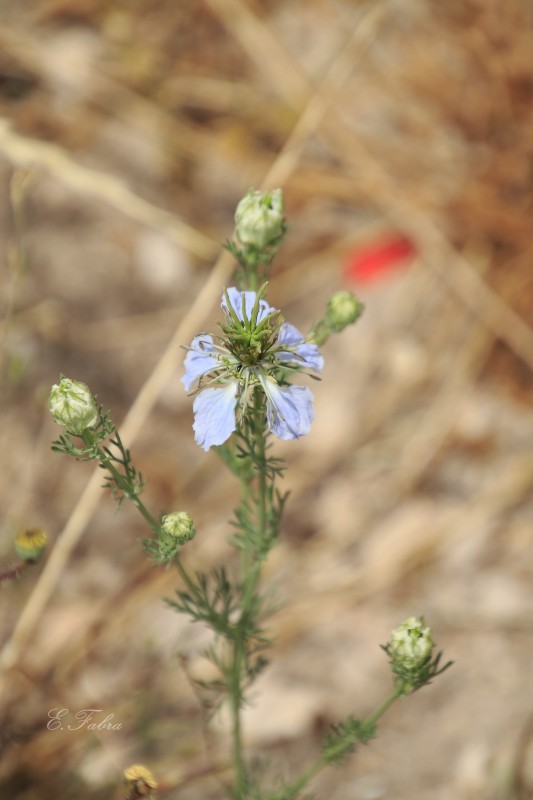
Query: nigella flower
{"points": [[257, 349]]}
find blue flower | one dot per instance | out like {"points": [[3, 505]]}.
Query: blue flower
{"points": [[289, 409], [214, 415], [201, 359], [255, 347], [303, 353]]}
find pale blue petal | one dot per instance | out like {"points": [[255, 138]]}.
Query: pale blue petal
{"points": [[289, 409], [214, 415], [199, 360], [235, 298], [308, 355]]}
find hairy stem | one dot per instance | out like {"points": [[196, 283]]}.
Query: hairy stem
{"points": [[249, 578]]}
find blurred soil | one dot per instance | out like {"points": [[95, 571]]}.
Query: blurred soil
{"points": [[129, 130]]}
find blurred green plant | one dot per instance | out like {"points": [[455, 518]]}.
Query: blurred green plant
{"points": [[13, 363]]}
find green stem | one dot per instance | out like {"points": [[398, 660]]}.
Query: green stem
{"points": [[250, 269], [235, 693], [300, 783], [184, 574], [121, 481], [294, 789], [250, 574], [385, 705], [251, 577]]}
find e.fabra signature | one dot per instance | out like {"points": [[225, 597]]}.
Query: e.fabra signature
{"points": [[85, 718]]}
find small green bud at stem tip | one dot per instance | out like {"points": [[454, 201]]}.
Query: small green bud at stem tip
{"points": [[178, 526], [411, 644], [344, 308], [259, 218], [73, 406], [30, 544]]}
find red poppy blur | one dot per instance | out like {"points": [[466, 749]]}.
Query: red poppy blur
{"points": [[378, 259]]}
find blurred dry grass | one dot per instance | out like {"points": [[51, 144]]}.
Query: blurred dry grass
{"points": [[130, 131]]}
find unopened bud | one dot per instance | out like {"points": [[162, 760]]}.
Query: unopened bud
{"points": [[30, 544], [344, 308], [259, 218], [140, 782], [411, 645], [178, 526], [73, 406]]}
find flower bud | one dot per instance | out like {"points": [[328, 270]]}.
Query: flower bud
{"points": [[178, 526], [411, 645], [73, 406], [140, 781], [259, 219], [30, 544], [344, 308]]}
